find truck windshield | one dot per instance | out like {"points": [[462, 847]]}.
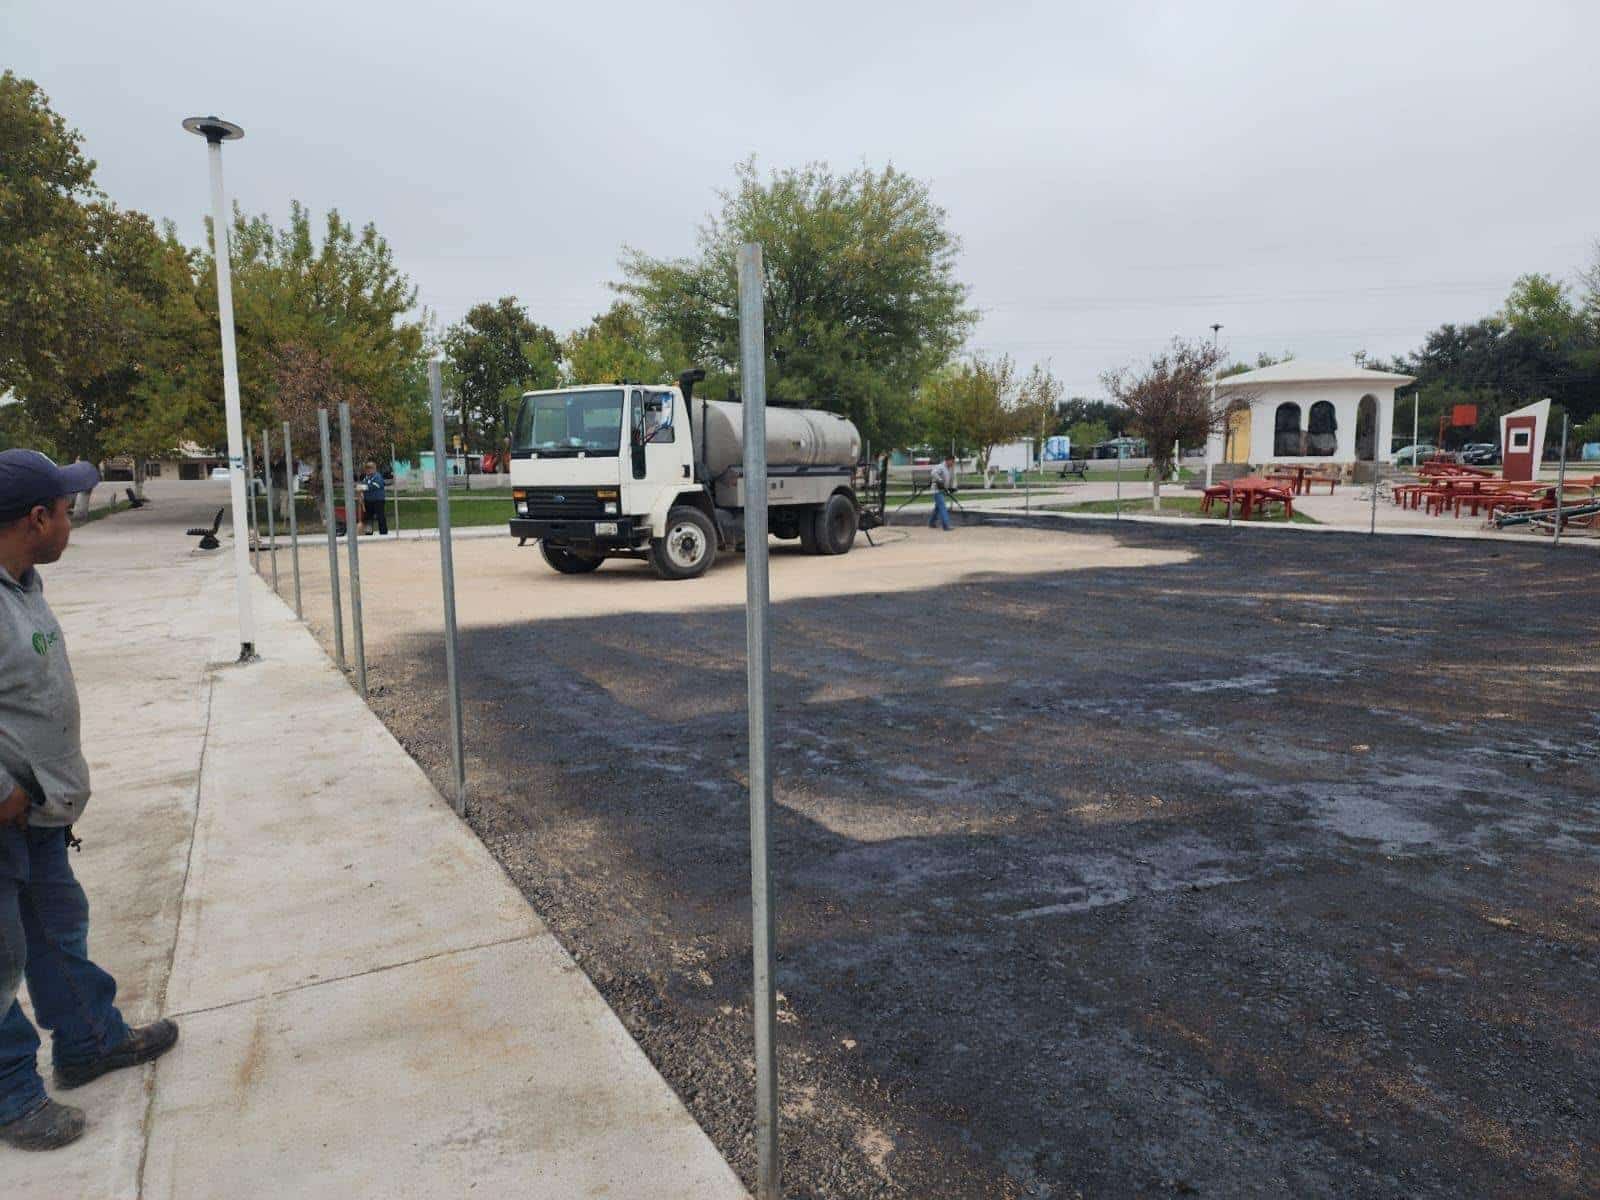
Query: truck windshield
{"points": [[566, 423]]}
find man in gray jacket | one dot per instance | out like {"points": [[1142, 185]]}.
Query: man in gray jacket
{"points": [[44, 785]]}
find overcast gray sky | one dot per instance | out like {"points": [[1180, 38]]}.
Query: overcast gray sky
{"points": [[1322, 177]]}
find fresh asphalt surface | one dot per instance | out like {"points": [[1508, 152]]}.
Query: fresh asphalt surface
{"points": [[1127, 862]]}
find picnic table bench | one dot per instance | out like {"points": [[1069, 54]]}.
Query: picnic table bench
{"points": [[1250, 493], [1299, 478]]}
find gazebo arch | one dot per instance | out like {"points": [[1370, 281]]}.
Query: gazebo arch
{"points": [[1367, 429], [1322, 430], [1287, 440]]}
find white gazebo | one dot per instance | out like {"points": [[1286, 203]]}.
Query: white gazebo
{"points": [[1306, 412]]}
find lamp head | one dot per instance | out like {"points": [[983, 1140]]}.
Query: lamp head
{"points": [[213, 129]]}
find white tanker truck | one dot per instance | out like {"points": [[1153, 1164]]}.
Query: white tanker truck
{"points": [[634, 471]]}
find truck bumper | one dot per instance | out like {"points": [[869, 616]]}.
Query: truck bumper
{"points": [[628, 535]]}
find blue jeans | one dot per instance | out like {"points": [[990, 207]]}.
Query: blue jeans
{"points": [[941, 512], [44, 937]]}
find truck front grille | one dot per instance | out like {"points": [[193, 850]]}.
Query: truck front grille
{"points": [[563, 504]]}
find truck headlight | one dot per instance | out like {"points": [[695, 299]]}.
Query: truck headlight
{"points": [[611, 507], [522, 508]]}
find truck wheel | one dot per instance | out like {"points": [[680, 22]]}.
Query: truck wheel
{"points": [[809, 520], [687, 548], [569, 563], [836, 526]]}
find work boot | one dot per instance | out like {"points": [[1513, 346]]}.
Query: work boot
{"points": [[48, 1127], [143, 1044]]}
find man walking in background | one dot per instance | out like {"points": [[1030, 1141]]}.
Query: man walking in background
{"points": [[373, 501], [943, 481], [44, 785]]}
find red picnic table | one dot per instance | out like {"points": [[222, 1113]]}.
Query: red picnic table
{"points": [[1300, 477], [1250, 493]]}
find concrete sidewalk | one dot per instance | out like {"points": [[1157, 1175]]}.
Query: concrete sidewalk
{"points": [[369, 1007]]}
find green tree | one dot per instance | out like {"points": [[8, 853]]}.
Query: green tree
{"points": [[100, 327], [166, 379], [617, 345], [862, 302], [497, 352], [1539, 307], [1084, 434], [1077, 410], [342, 299], [1170, 402], [980, 403], [46, 244]]}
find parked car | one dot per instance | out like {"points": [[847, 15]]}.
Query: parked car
{"points": [[1480, 454], [1410, 456], [220, 473]]}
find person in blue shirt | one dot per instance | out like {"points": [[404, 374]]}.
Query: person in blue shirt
{"points": [[372, 500]]}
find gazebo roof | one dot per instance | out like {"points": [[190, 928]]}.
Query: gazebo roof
{"points": [[1295, 371]]}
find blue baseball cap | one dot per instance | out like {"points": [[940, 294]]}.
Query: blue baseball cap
{"points": [[28, 478]]}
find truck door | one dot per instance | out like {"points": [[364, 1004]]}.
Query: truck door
{"points": [[656, 454]]}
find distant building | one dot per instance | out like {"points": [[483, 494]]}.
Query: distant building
{"points": [[1306, 412]]}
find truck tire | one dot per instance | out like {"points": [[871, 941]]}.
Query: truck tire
{"points": [[836, 526], [809, 519], [688, 547], [569, 563]]}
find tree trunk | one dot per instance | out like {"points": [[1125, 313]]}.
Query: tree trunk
{"points": [[1155, 493], [80, 505], [138, 477]]}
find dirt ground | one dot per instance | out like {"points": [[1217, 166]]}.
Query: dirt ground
{"points": [[1110, 861]]}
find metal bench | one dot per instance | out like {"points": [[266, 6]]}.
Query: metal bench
{"points": [[208, 537]]}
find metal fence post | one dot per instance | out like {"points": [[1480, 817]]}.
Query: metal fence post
{"points": [[1376, 468], [272, 520], [396, 475], [250, 490], [1561, 481], [352, 535], [291, 478], [753, 380], [447, 575], [1119, 483], [333, 534]]}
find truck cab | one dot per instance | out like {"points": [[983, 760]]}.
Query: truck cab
{"points": [[618, 471]]}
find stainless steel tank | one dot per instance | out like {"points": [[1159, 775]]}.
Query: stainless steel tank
{"points": [[796, 437]]}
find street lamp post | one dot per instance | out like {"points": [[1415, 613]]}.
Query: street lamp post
{"points": [[1211, 438], [216, 131]]}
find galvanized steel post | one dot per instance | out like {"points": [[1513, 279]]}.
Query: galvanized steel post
{"points": [[250, 489], [447, 575], [1561, 481], [352, 535], [753, 380], [1376, 467], [332, 524], [1119, 483], [290, 478], [272, 519]]}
